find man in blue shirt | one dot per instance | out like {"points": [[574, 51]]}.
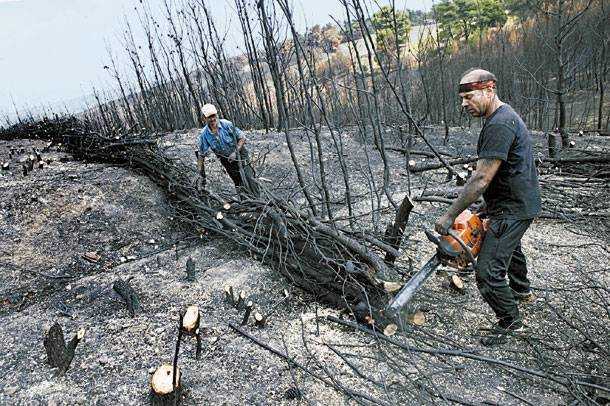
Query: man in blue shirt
{"points": [[226, 141]]}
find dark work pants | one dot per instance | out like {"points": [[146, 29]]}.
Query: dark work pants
{"points": [[247, 185], [501, 255]]}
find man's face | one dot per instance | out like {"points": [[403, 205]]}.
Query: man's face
{"points": [[212, 120], [475, 102]]}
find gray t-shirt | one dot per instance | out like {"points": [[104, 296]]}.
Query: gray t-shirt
{"points": [[514, 192]]}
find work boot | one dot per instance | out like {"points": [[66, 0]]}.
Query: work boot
{"points": [[524, 297], [499, 334]]}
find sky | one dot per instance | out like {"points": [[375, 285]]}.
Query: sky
{"points": [[52, 52]]}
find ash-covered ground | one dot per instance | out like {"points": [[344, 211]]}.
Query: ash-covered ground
{"points": [[72, 228]]}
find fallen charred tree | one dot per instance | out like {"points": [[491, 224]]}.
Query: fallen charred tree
{"points": [[339, 267]]}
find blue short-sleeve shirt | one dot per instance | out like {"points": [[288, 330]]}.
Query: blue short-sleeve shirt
{"points": [[223, 142]]}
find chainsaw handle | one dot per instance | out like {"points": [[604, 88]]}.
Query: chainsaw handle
{"points": [[465, 247]]}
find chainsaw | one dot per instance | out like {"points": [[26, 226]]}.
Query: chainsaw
{"points": [[458, 250]]}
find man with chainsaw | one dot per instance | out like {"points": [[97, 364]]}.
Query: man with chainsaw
{"points": [[506, 177], [227, 142]]}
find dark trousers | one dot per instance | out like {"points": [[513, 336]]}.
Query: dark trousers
{"points": [[501, 255], [248, 183]]}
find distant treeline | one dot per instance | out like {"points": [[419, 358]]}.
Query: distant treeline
{"points": [[367, 67]]}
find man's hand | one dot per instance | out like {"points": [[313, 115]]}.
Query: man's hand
{"points": [[233, 156], [443, 224]]}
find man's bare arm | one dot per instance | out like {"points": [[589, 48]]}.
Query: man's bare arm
{"points": [[476, 185]]}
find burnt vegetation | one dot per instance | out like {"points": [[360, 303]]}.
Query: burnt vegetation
{"points": [[365, 112]]}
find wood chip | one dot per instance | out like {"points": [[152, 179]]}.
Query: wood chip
{"points": [[391, 287], [390, 330], [92, 256], [418, 318], [457, 282]]}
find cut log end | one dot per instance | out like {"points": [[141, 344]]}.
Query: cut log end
{"points": [[229, 296], [456, 283], [417, 319], [80, 334], [390, 330], [162, 386], [190, 321], [259, 319], [391, 287]]}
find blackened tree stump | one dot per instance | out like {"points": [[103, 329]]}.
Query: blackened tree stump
{"points": [[162, 389], [249, 307], [60, 355], [395, 231], [129, 295], [191, 270], [229, 295], [259, 319], [189, 325], [241, 300]]}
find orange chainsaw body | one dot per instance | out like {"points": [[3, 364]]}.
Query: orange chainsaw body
{"points": [[471, 229]]}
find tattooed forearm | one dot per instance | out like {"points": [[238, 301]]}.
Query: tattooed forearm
{"points": [[476, 185]]}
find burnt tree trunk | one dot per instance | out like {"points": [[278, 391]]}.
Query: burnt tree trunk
{"points": [[396, 230], [129, 295]]}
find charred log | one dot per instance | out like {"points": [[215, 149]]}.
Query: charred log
{"points": [[415, 168], [396, 230], [311, 254]]}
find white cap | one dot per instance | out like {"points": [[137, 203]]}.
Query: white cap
{"points": [[208, 110]]}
